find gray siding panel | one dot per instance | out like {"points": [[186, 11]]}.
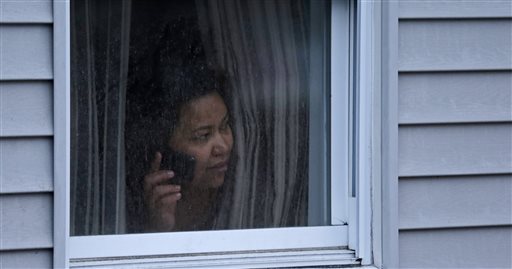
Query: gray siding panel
{"points": [[455, 201], [26, 221], [26, 129], [26, 52], [455, 45], [26, 108], [23, 11], [443, 97], [26, 165], [26, 259], [455, 149], [456, 248], [455, 134], [455, 9]]}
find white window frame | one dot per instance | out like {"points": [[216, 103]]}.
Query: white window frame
{"points": [[297, 246]]}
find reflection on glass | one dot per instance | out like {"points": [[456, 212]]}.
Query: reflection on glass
{"points": [[195, 115]]}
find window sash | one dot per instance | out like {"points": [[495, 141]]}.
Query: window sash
{"points": [[340, 104], [96, 247], [103, 246]]}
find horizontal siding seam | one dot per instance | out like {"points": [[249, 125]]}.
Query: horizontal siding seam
{"points": [[35, 135], [404, 18], [448, 122], [47, 191], [442, 70], [26, 193], [42, 22], [6, 251], [30, 79], [458, 71], [456, 19], [31, 248], [453, 227], [461, 174], [476, 176]]}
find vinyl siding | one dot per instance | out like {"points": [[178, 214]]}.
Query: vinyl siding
{"points": [[455, 9], [454, 149], [26, 221], [26, 51], [26, 259], [453, 45], [455, 97], [26, 129], [478, 247], [455, 134], [26, 108], [455, 61], [26, 164], [458, 201], [23, 11]]}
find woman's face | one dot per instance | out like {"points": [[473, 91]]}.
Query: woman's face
{"points": [[203, 131]]}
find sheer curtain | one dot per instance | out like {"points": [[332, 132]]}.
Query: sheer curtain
{"points": [[98, 115], [262, 45]]}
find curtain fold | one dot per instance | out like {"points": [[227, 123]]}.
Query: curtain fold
{"points": [[98, 115], [262, 45]]}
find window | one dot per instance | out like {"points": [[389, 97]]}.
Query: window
{"points": [[198, 82], [287, 175]]}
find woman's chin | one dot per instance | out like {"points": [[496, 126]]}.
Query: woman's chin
{"points": [[209, 183]]}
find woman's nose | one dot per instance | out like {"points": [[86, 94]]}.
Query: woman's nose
{"points": [[221, 145]]}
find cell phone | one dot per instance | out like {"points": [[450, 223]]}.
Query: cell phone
{"points": [[182, 164]]}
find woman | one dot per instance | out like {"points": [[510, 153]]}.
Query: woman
{"points": [[203, 132], [190, 116]]}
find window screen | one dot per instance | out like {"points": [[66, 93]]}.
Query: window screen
{"points": [[198, 115]]}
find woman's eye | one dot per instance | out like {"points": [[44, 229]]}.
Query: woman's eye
{"points": [[201, 136]]}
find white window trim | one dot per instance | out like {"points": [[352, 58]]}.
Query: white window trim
{"points": [[105, 246], [328, 249], [367, 149], [61, 137]]}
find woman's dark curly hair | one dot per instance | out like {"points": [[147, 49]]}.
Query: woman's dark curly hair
{"points": [[173, 74], [180, 74]]}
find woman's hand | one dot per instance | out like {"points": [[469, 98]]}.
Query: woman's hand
{"points": [[160, 197]]}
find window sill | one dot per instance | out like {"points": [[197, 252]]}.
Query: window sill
{"points": [[248, 259]]}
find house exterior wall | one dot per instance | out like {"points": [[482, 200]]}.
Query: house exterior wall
{"points": [[26, 129], [455, 134], [454, 150]]}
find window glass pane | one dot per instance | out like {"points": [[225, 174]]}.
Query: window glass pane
{"points": [[231, 96]]}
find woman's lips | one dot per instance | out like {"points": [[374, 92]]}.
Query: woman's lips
{"points": [[220, 167]]}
